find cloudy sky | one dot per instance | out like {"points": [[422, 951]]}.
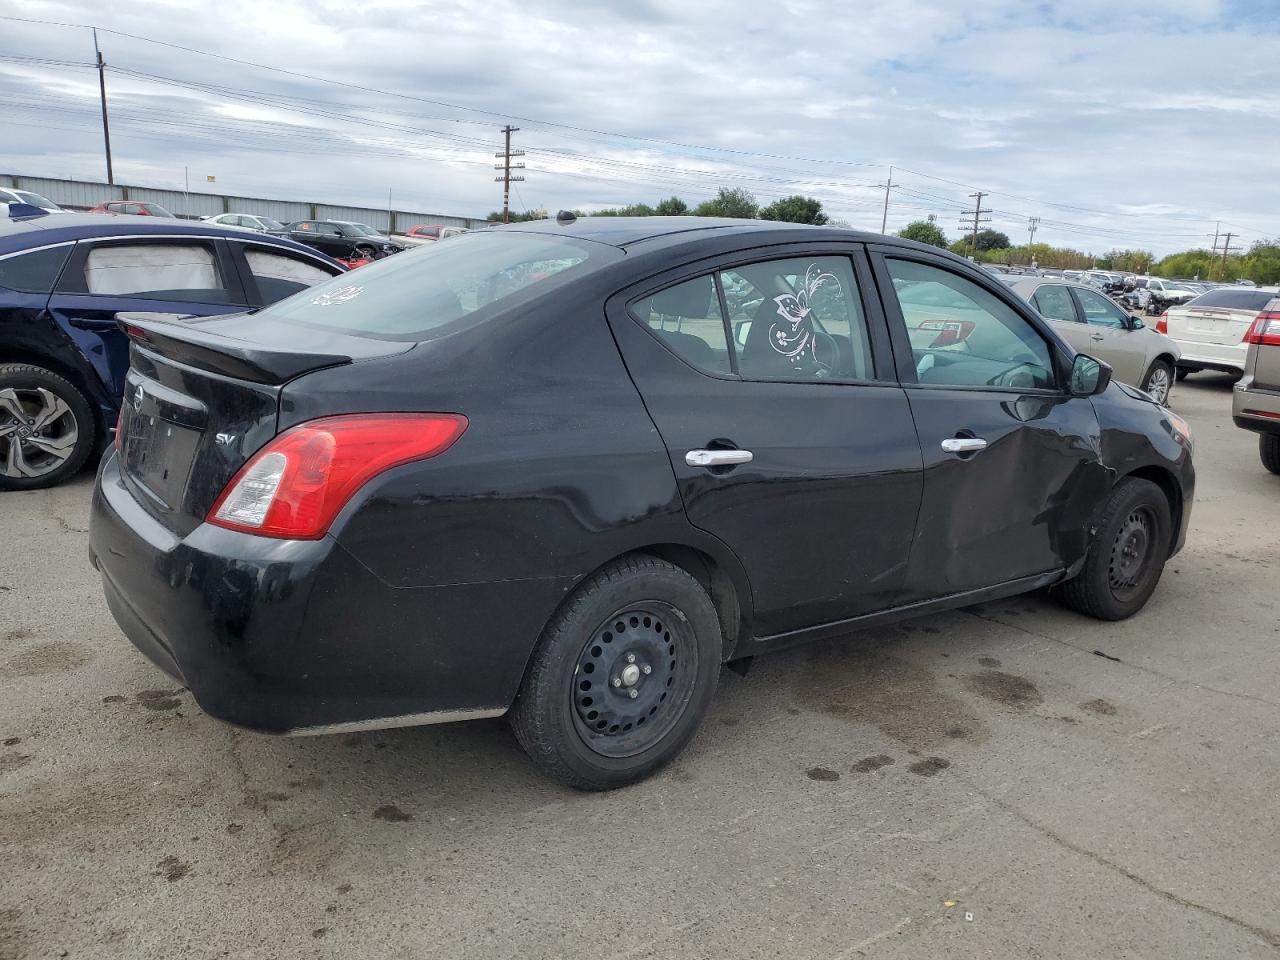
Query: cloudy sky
{"points": [[1138, 123]]}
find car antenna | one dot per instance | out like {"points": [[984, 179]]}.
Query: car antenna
{"points": [[566, 216]]}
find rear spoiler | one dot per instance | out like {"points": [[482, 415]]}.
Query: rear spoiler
{"points": [[168, 335]]}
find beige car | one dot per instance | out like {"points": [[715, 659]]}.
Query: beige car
{"points": [[1093, 324], [1255, 403]]}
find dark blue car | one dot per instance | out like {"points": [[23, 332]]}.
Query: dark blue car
{"points": [[63, 281]]}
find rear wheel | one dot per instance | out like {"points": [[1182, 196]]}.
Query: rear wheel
{"points": [[1132, 530], [47, 428], [1158, 381], [1269, 449], [621, 677]]}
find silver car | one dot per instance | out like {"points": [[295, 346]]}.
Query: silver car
{"points": [[1256, 400], [245, 221], [1093, 324]]}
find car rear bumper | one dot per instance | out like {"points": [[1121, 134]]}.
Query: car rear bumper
{"points": [[1255, 409], [1228, 357], [288, 636]]}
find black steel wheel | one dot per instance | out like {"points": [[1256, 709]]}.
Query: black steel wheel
{"points": [[633, 678], [622, 675], [1269, 451], [1132, 532]]}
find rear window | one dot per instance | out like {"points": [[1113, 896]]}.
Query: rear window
{"points": [[438, 288], [34, 272], [1234, 299]]}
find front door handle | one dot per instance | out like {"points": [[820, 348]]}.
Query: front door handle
{"points": [[717, 458], [963, 444]]}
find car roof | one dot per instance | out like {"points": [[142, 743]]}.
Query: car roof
{"points": [[650, 232], [18, 234]]}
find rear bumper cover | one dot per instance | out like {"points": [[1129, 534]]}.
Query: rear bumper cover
{"points": [[289, 636], [1212, 356], [1255, 409]]}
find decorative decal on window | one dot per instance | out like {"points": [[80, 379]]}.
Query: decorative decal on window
{"points": [[793, 336], [341, 295]]}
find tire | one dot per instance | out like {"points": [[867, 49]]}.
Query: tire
{"points": [[575, 715], [1269, 450], [1112, 586], [32, 455], [1159, 381]]}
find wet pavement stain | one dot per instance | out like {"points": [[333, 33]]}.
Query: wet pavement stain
{"points": [[159, 699], [13, 761], [53, 656], [1102, 708], [990, 663], [114, 698], [12, 741], [1004, 688], [172, 869], [392, 814], [929, 767], [869, 685], [822, 774], [871, 764]]}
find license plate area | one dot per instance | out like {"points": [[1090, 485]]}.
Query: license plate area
{"points": [[162, 432]]}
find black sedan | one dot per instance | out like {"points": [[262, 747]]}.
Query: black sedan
{"points": [[565, 470], [340, 239]]}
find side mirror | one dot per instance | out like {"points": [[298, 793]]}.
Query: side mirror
{"points": [[1089, 376], [1135, 323]]}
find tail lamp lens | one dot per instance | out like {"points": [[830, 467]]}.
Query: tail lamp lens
{"points": [[1265, 329], [294, 486]]}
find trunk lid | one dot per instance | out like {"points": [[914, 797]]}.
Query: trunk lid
{"points": [[1201, 324], [203, 395]]}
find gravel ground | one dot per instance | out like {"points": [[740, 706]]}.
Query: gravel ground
{"points": [[1010, 780]]}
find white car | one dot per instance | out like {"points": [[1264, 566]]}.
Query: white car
{"points": [[1210, 329], [245, 221], [10, 195]]}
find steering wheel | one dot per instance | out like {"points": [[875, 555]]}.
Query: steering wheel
{"points": [[1023, 376]]}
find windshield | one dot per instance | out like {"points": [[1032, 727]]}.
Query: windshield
{"points": [[1229, 299], [364, 230], [35, 200], [271, 224], [441, 287]]}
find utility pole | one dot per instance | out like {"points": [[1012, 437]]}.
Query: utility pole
{"points": [[978, 218], [506, 166], [1032, 225], [102, 90], [884, 217], [1217, 230], [1226, 248]]}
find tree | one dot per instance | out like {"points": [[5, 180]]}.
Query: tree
{"points": [[634, 210], [513, 217], [992, 240], [672, 207], [729, 203], [924, 231], [796, 209]]}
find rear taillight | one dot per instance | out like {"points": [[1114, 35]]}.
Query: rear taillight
{"points": [[1265, 329], [119, 426], [1162, 325], [295, 485]]}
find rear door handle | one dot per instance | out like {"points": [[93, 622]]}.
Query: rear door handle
{"points": [[717, 458], [963, 444]]}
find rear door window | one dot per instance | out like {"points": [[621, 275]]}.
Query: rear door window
{"points": [[1054, 302], [156, 271], [444, 286]]}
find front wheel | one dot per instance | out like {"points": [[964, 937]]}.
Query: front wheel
{"points": [[1269, 450], [621, 677], [1131, 530], [1159, 381], [47, 429]]}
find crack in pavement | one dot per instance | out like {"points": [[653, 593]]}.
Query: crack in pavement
{"points": [[1270, 937], [1125, 663]]}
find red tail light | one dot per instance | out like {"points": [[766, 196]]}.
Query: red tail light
{"points": [[1162, 325], [119, 426], [295, 485], [1265, 329]]}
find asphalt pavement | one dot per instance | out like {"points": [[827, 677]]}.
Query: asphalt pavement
{"points": [[1010, 781]]}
